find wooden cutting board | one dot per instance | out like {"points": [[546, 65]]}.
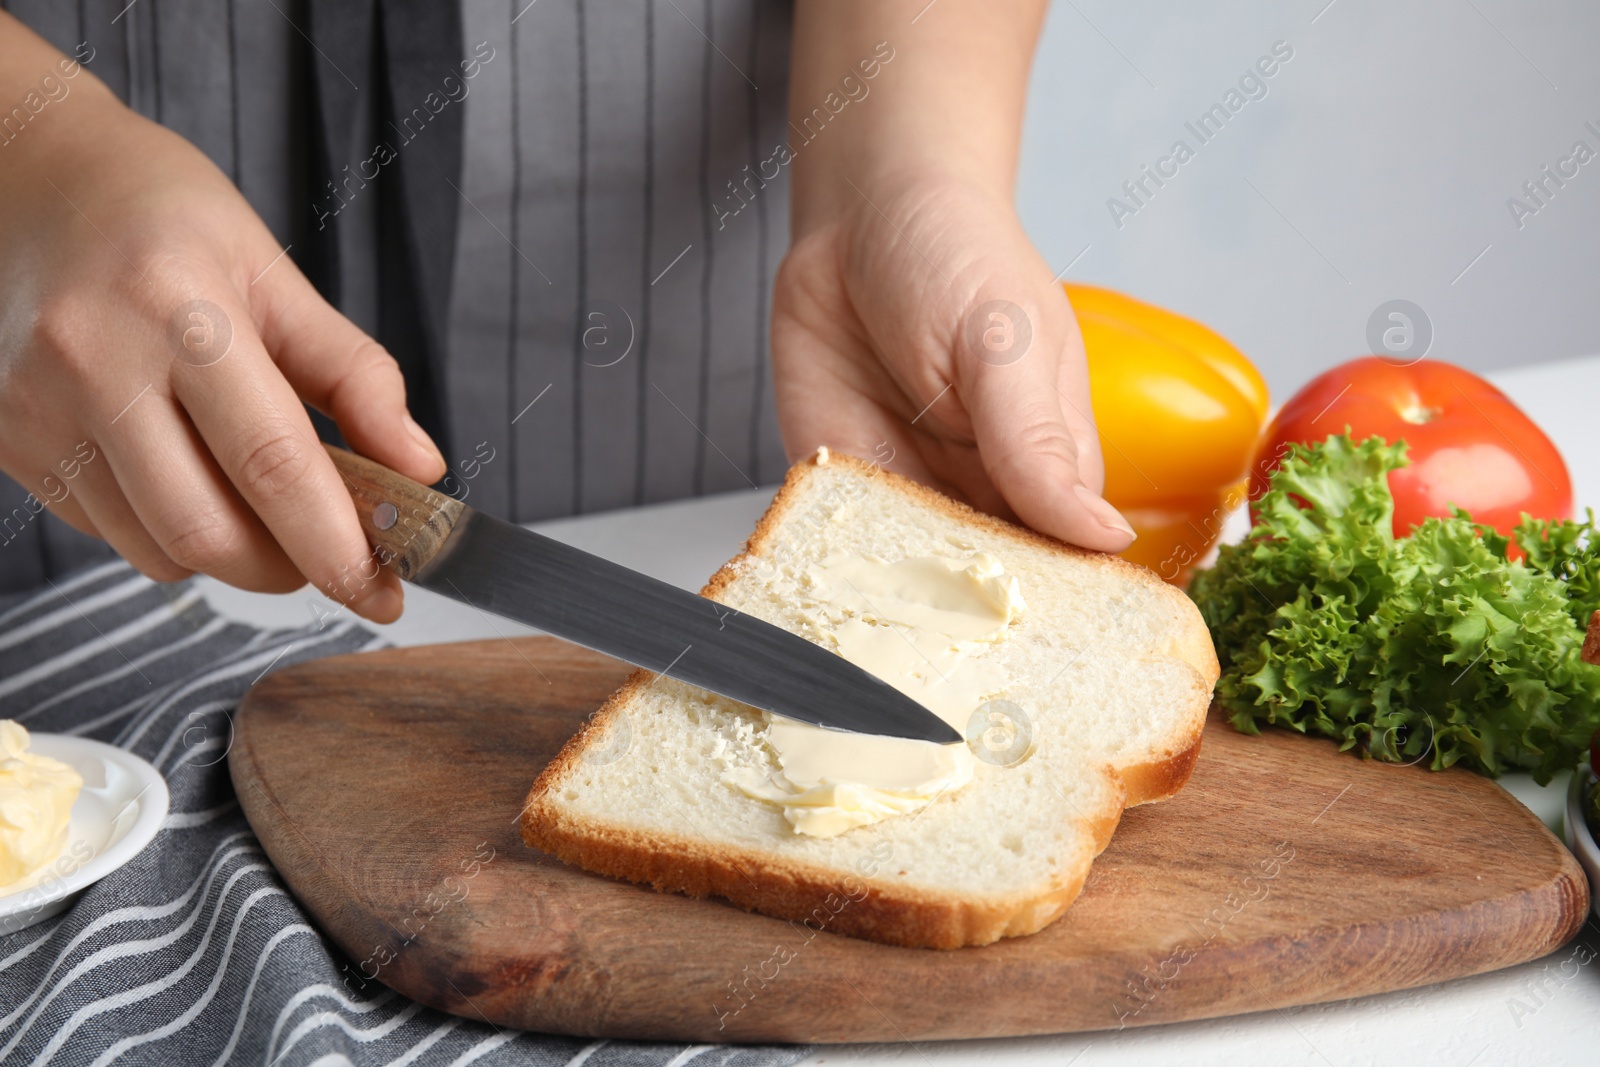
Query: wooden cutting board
{"points": [[386, 787]]}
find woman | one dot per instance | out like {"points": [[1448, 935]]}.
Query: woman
{"points": [[557, 228], [560, 221]]}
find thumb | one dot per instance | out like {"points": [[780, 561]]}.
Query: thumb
{"points": [[1009, 369], [336, 368]]}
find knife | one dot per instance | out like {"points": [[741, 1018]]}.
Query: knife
{"points": [[437, 542]]}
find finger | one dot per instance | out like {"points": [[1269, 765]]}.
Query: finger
{"points": [[187, 504], [1072, 387], [60, 496], [825, 379], [71, 512], [1008, 364], [254, 424], [346, 375], [819, 410], [99, 502], [814, 414], [832, 390]]}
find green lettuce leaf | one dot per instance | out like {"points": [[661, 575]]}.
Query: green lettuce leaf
{"points": [[1436, 648]]}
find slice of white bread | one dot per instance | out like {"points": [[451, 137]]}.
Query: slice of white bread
{"points": [[1112, 667]]}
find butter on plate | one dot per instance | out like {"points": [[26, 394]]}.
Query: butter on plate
{"points": [[36, 798]]}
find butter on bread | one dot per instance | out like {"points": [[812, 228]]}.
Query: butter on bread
{"points": [[1112, 667]]}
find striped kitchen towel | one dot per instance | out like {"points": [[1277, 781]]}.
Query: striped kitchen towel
{"points": [[194, 953]]}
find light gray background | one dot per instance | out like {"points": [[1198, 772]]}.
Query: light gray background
{"points": [[1385, 152]]}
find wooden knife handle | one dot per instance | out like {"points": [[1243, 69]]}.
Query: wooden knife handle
{"points": [[405, 522]]}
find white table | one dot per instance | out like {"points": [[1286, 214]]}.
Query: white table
{"points": [[1524, 1015]]}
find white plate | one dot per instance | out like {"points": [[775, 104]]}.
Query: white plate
{"points": [[1579, 839], [119, 811]]}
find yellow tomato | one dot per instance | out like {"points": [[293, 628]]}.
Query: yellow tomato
{"points": [[1179, 411]]}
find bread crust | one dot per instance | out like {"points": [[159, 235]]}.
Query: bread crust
{"points": [[800, 892]]}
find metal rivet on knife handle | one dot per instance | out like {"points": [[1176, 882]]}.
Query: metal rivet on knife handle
{"points": [[405, 522]]}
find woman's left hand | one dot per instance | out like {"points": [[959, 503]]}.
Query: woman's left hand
{"points": [[921, 329]]}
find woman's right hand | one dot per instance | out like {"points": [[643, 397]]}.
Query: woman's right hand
{"points": [[149, 319]]}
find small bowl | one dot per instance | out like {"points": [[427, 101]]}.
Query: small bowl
{"points": [[1579, 838], [119, 811]]}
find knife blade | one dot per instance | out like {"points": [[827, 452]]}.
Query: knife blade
{"points": [[438, 543]]}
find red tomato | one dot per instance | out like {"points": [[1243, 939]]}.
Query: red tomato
{"points": [[1469, 444]]}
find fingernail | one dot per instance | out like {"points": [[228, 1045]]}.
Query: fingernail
{"points": [[420, 436], [382, 604], [1101, 509]]}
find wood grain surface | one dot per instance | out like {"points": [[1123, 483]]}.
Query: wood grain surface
{"points": [[386, 788], [406, 523]]}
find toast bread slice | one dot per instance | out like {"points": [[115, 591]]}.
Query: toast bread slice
{"points": [[1113, 668]]}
